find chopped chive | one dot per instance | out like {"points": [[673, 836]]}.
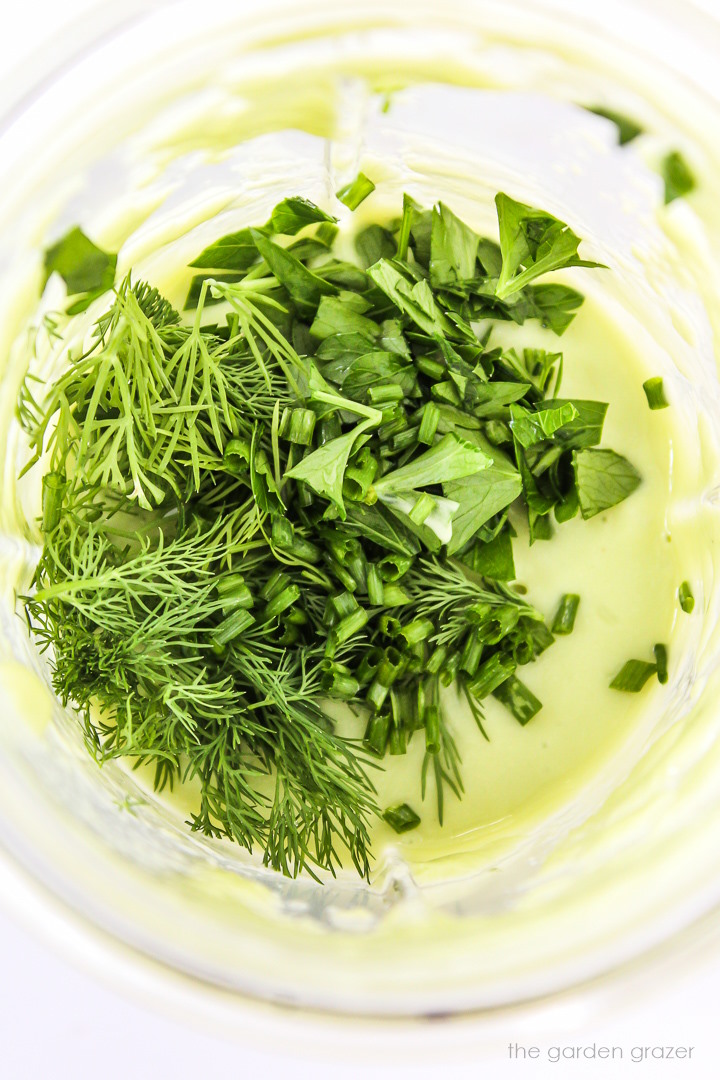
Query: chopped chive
{"points": [[234, 592], [432, 368], [281, 602], [350, 625], [405, 226], [393, 567], [376, 733], [436, 660], [633, 675], [397, 742], [298, 425], [326, 232], [491, 674], [432, 729], [516, 697], [661, 661], [404, 440], [402, 818], [471, 654], [337, 680], [385, 392], [231, 627], [374, 585], [655, 393], [422, 508], [274, 584], [417, 631], [54, 485], [394, 595], [343, 604], [686, 598], [564, 621], [428, 424], [355, 192]]}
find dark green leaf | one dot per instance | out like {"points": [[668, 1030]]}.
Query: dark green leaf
{"points": [[603, 479], [84, 267], [236, 251], [304, 287], [453, 249], [294, 214], [678, 176]]}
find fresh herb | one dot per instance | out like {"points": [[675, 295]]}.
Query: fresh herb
{"points": [[308, 500], [83, 266], [564, 621], [661, 662], [355, 192], [677, 175], [402, 818], [655, 393], [627, 129], [633, 675], [686, 598], [603, 479]]}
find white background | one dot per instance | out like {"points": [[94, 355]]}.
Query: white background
{"points": [[58, 1021]]}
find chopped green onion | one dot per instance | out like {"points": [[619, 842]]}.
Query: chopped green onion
{"points": [[633, 675], [281, 602], [374, 586], [417, 631], [431, 717], [655, 393], [355, 192], [422, 508], [376, 733], [234, 592], [402, 818], [516, 697], [428, 423], [54, 485], [564, 621], [297, 426], [661, 661], [232, 627], [686, 598]]}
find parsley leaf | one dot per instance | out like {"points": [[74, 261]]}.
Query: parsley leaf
{"points": [[603, 479]]}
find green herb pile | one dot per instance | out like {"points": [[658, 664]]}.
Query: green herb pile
{"points": [[298, 491]]}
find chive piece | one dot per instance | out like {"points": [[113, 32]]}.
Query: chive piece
{"points": [[394, 595], [281, 602], [274, 584], [234, 593], [686, 598], [432, 368], [402, 818], [417, 631], [678, 176], [343, 604], [374, 585], [422, 508], [655, 393], [405, 226], [297, 426], [564, 621], [491, 674], [516, 697], [397, 743], [350, 625], [326, 232], [376, 733], [436, 660], [428, 424], [355, 192], [661, 660], [386, 392], [54, 485], [231, 627], [393, 567], [471, 654], [432, 729], [633, 675]]}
